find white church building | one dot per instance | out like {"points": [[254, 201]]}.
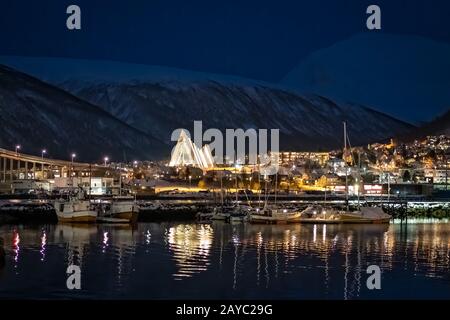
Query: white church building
{"points": [[186, 153]]}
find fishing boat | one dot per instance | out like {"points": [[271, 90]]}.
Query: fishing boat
{"points": [[124, 208], [75, 209], [112, 220]]}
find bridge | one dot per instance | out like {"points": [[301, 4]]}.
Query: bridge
{"points": [[16, 165]]}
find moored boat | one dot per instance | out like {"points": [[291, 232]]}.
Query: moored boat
{"points": [[75, 210], [220, 213], [365, 215], [321, 215], [123, 208], [274, 215]]}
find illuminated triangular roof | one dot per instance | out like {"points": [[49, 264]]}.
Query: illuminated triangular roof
{"points": [[186, 153]]}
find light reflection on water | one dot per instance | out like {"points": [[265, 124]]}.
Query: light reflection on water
{"points": [[219, 260]]}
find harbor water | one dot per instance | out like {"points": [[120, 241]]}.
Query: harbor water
{"points": [[171, 260]]}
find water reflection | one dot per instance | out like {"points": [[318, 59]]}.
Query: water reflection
{"points": [[43, 243], [191, 246], [16, 248], [222, 260]]}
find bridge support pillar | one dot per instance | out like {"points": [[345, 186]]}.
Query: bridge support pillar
{"points": [[11, 169], [4, 169]]}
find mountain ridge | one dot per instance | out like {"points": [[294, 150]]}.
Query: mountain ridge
{"points": [[156, 105], [231, 106], [38, 115]]}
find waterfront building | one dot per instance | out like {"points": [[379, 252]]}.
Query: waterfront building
{"points": [[289, 158], [440, 176]]}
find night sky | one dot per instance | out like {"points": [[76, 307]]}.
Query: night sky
{"points": [[263, 40], [256, 39]]}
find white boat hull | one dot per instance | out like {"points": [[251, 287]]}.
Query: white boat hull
{"points": [[79, 216], [75, 211], [276, 217]]}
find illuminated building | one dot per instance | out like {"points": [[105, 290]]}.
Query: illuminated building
{"points": [[186, 153], [289, 158]]}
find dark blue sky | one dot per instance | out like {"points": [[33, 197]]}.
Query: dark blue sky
{"points": [[256, 39]]}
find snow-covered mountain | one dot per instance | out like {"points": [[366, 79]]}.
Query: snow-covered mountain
{"points": [[156, 100], [37, 115], [305, 122], [407, 77]]}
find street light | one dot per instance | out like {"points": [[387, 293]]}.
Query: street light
{"points": [[190, 178], [42, 153], [71, 169], [106, 160], [17, 149], [135, 163]]}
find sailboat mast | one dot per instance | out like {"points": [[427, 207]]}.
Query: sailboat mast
{"points": [[235, 173], [90, 180], [120, 180], [221, 188], [345, 136], [345, 164], [259, 183], [276, 186], [360, 179]]}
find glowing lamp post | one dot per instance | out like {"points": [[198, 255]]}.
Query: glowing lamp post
{"points": [[106, 159], [73, 157], [17, 149]]}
